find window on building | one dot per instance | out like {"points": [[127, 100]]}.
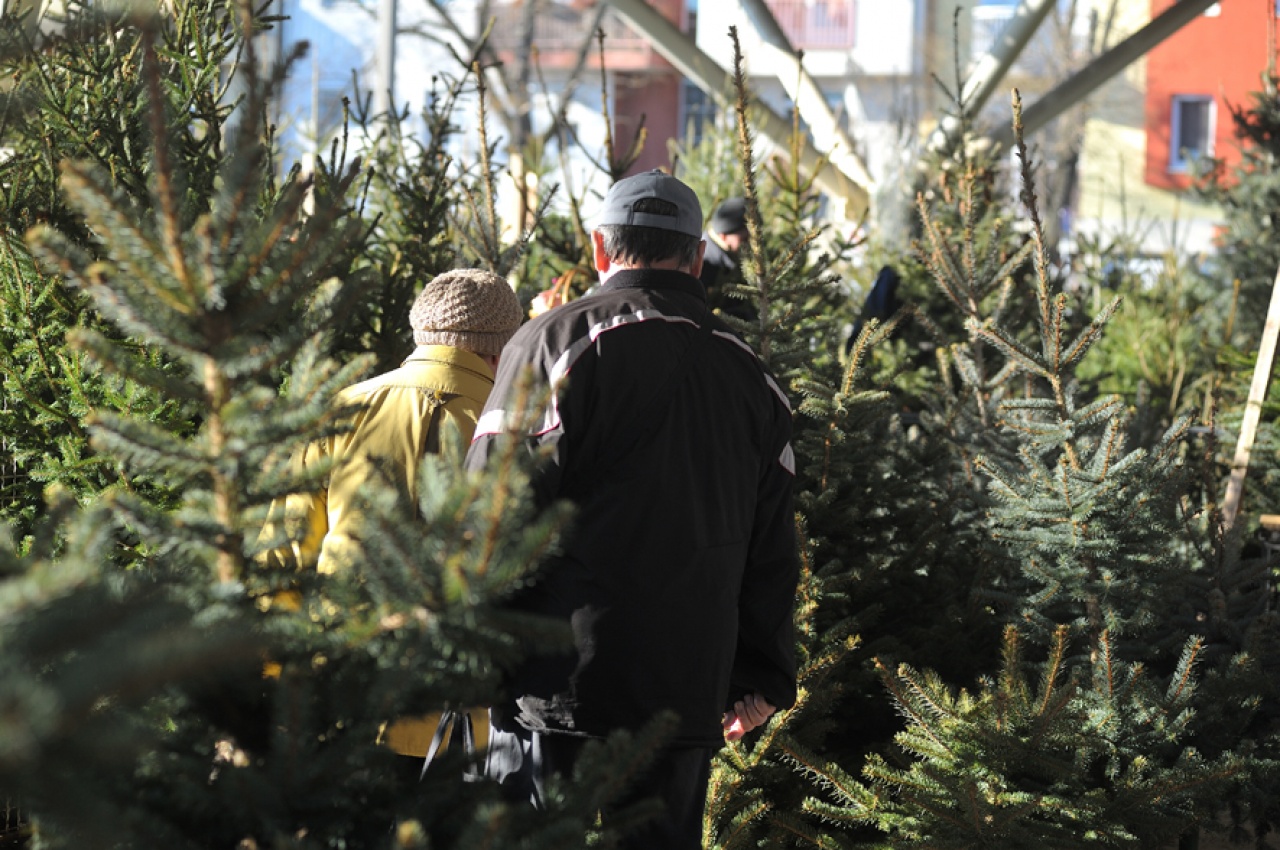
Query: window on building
{"points": [[1191, 133]]}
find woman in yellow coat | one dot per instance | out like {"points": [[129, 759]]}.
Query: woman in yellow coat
{"points": [[461, 320]]}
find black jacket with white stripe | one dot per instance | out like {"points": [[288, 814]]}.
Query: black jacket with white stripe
{"points": [[679, 574]]}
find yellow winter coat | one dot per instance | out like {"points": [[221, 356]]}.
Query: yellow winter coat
{"points": [[393, 428]]}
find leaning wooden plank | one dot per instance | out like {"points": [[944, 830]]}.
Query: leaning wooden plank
{"points": [[1253, 408]]}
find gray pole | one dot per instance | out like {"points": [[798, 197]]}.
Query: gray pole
{"points": [[1076, 88], [703, 71], [807, 96], [384, 99]]}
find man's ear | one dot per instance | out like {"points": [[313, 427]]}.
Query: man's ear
{"points": [[601, 258], [696, 271]]}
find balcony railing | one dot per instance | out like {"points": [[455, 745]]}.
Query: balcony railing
{"points": [[559, 31], [816, 24]]}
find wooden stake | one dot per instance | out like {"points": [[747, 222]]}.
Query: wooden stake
{"points": [[1253, 409]]}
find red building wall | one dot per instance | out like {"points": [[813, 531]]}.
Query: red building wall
{"points": [[656, 97], [654, 93], [642, 82], [1220, 57]]}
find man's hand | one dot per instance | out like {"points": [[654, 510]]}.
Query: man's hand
{"points": [[748, 713], [549, 299]]}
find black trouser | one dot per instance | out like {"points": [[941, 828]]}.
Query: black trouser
{"points": [[520, 760]]}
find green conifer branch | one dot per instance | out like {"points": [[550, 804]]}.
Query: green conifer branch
{"points": [[737, 833], [1089, 336], [170, 220], [1012, 348], [755, 265], [942, 265], [1182, 685]]}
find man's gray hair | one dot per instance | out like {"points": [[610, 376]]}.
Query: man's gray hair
{"points": [[645, 246]]}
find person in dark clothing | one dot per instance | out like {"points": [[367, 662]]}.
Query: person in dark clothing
{"points": [[678, 579], [725, 236], [881, 302]]}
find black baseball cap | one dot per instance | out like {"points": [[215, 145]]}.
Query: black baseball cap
{"points": [[730, 217], [622, 196]]}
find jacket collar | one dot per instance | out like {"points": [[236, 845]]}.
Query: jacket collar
{"points": [[655, 279], [454, 358]]}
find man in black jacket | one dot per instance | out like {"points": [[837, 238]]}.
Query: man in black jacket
{"points": [[678, 579], [724, 239]]}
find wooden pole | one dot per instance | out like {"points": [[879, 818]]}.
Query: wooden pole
{"points": [[1253, 408]]}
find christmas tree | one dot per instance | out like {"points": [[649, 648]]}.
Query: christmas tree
{"points": [[166, 685], [1117, 709], [1020, 621], [884, 535], [1092, 727]]}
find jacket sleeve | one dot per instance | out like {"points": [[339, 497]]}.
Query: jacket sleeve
{"points": [[522, 371], [304, 518], [765, 659], [495, 419]]}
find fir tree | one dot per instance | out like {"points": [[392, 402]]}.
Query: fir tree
{"points": [[1226, 594], [80, 96], [83, 656], [1161, 353], [1110, 746], [1249, 195], [883, 542], [1039, 758], [140, 697], [1120, 711]]}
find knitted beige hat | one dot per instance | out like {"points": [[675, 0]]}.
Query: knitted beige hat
{"points": [[466, 308]]}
